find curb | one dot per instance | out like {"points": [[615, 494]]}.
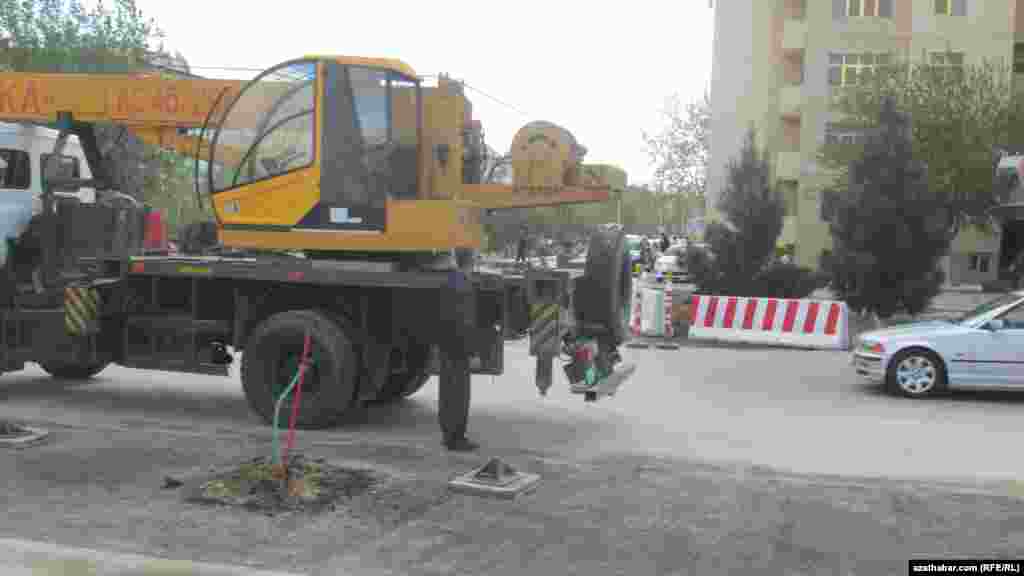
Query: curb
{"points": [[25, 557]]}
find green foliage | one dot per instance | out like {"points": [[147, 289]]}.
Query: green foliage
{"points": [[170, 188], [888, 230], [959, 117], [65, 36], [776, 280], [743, 245], [109, 37], [781, 280]]}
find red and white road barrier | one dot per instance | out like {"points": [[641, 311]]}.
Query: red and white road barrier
{"points": [[802, 323], [651, 319]]}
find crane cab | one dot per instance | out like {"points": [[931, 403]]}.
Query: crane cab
{"points": [[343, 154]]}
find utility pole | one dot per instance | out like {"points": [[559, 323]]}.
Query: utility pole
{"points": [[661, 204]]}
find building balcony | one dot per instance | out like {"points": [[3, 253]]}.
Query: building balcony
{"points": [[794, 34], [790, 99], [787, 165]]}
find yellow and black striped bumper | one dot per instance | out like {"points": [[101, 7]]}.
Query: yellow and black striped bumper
{"points": [[81, 310]]}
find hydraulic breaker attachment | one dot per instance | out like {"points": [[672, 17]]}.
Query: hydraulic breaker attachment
{"points": [[591, 334], [593, 369]]}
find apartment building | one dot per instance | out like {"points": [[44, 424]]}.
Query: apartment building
{"points": [[777, 64]]}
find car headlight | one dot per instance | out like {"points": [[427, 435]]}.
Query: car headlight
{"points": [[871, 347]]}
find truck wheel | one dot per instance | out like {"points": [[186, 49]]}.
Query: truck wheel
{"points": [[73, 371], [408, 382], [271, 360], [606, 295]]}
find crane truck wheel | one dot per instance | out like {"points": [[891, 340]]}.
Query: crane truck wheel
{"points": [[603, 297], [407, 382], [271, 360], [73, 371]]}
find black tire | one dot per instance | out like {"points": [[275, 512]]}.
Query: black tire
{"points": [[330, 386], [603, 298], [931, 367], [73, 371], [408, 382]]}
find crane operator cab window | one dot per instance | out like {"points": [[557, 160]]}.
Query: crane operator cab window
{"points": [[365, 156], [369, 144], [269, 129]]}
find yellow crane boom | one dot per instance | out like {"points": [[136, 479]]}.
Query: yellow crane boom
{"points": [[156, 109], [346, 145]]}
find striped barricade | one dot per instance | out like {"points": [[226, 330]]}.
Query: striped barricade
{"points": [[801, 323], [651, 318]]}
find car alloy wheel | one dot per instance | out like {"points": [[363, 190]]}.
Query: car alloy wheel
{"points": [[917, 374]]}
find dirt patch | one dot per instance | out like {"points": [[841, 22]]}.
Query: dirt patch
{"points": [[310, 485]]}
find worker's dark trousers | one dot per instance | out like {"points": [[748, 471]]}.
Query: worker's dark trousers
{"points": [[458, 308]]}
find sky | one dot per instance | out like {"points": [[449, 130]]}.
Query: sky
{"points": [[600, 70]]}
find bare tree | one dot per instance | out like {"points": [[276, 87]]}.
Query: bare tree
{"points": [[679, 151]]}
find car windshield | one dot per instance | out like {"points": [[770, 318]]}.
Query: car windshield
{"points": [[987, 307]]}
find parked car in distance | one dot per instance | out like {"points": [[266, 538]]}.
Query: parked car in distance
{"points": [[983, 348]]}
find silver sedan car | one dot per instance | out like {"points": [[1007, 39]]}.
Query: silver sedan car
{"points": [[983, 348]]}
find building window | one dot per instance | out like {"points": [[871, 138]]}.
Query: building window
{"points": [[828, 205], [789, 190], [951, 7], [979, 262], [879, 8], [853, 69], [15, 169], [861, 8], [1018, 58], [950, 64], [839, 134]]}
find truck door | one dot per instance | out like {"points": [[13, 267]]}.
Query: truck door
{"points": [[357, 147]]}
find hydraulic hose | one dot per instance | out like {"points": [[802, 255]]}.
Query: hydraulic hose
{"points": [[275, 443], [298, 397], [279, 457]]}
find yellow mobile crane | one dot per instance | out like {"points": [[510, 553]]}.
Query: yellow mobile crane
{"points": [[344, 190]]}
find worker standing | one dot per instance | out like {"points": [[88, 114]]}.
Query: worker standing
{"points": [[521, 248], [664, 242]]}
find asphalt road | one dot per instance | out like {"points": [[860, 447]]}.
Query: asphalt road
{"points": [[802, 411], [623, 475]]}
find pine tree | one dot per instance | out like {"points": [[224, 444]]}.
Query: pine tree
{"points": [[743, 245], [888, 231]]}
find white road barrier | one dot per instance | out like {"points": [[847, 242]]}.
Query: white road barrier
{"points": [[802, 323], [652, 314]]}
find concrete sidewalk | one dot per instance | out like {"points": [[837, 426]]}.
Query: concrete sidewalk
{"points": [[27, 558]]}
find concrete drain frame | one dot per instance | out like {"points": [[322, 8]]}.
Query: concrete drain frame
{"points": [[13, 435], [496, 479]]}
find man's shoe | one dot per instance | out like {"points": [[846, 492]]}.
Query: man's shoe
{"points": [[460, 444]]}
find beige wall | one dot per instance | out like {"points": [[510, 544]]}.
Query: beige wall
{"points": [[751, 69]]}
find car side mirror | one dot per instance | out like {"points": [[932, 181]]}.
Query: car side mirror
{"points": [[996, 324]]}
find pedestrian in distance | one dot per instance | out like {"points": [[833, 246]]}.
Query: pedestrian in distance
{"points": [[521, 247]]}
